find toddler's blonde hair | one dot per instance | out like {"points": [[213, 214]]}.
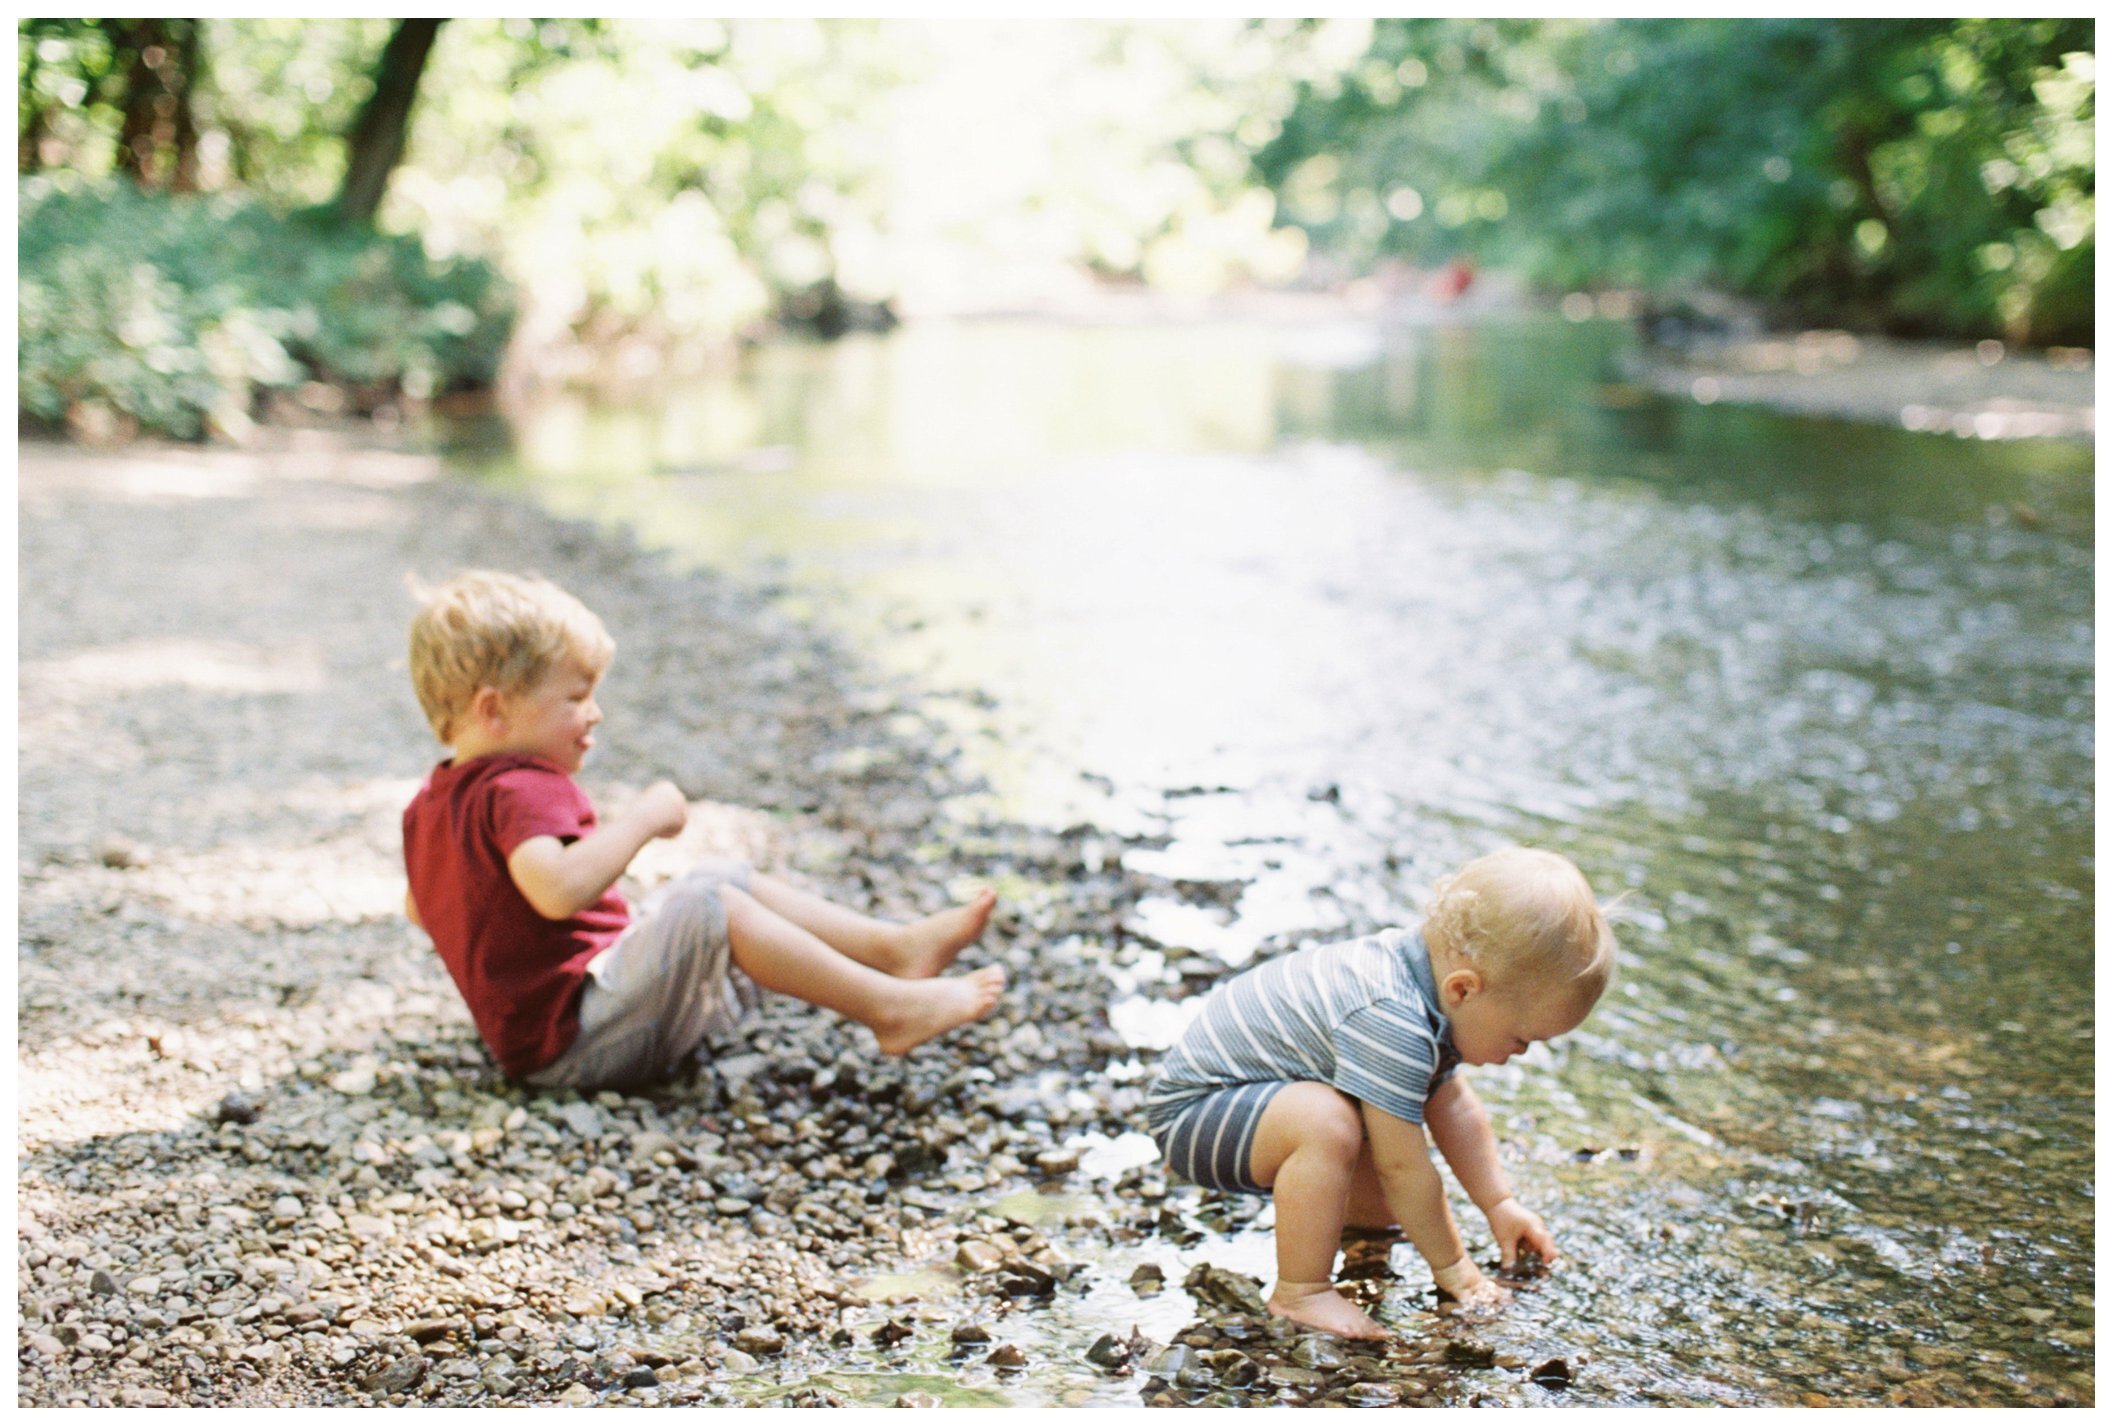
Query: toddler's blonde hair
{"points": [[485, 629], [1521, 914]]}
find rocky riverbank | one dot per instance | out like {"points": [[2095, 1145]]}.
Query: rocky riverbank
{"points": [[265, 1161], [1983, 390], [263, 1158]]}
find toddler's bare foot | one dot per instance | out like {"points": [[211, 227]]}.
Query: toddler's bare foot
{"points": [[925, 948], [932, 1007], [1320, 1306]]}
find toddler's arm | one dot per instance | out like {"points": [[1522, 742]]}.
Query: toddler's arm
{"points": [[411, 911], [560, 880], [1459, 1125], [1416, 1198]]}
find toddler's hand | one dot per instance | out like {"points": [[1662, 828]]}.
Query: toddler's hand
{"points": [[663, 809], [1515, 1227], [1464, 1283]]}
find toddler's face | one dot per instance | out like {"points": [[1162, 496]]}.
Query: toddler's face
{"points": [[554, 718], [1503, 1018]]}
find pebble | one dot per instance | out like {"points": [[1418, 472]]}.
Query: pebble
{"points": [[759, 1341], [1553, 1373], [1007, 1355], [979, 1257], [970, 1334]]}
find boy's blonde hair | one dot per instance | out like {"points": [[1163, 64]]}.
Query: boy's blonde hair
{"points": [[485, 629], [1522, 913]]}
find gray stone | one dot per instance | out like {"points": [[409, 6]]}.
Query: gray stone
{"points": [[398, 1376]]}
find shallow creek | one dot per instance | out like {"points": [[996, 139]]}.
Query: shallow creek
{"points": [[1296, 618]]}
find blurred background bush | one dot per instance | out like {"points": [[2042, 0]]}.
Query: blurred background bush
{"points": [[213, 210]]}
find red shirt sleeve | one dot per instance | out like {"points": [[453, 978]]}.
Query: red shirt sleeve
{"points": [[531, 802]]}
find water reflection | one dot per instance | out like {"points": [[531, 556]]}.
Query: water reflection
{"points": [[1325, 612]]}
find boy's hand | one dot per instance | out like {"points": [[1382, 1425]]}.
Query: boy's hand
{"points": [[1515, 1227], [662, 810], [1465, 1284]]}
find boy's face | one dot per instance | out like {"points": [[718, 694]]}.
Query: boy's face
{"points": [[1491, 1023], [554, 718]]}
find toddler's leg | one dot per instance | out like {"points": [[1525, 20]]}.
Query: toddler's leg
{"points": [[920, 949], [783, 956], [1306, 1150]]}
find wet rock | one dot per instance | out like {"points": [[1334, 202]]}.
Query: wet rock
{"points": [[737, 1360], [898, 1329], [1007, 1356], [978, 1257], [236, 1107], [398, 1376], [1553, 1374], [1148, 1279], [970, 1334], [429, 1329], [1108, 1350], [101, 1283], [1465, 1352], [917, 1399], [1233, 1368], [1318, 1353], [641, 1376], [1215, 1287], [759, 1341]]}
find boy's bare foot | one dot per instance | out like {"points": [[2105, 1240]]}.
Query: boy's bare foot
{"points": [[924, 948], [931, 1007], [1320, 1306]]}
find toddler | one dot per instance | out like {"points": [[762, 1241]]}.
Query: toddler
{"points": [[1313, 1078], [514, 877]]}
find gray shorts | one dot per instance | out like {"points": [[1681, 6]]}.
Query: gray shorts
{"points": [[663, 985], [1209, 1137]]}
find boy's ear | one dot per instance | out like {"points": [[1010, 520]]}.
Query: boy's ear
{"points": [[488, 706], [1460, 984]]}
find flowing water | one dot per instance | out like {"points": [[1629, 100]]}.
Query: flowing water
{"points": [[1317, 612]]}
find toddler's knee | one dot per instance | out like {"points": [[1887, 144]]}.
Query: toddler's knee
{"points": [[1331, 1125]]}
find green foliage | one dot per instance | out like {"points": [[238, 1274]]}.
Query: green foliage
{"points": [[1921, 175], [178, 311]]}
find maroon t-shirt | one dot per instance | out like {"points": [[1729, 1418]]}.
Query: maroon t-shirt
{"points": [[520, 972]]}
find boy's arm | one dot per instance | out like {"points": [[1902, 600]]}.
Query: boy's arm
{"points": [[1459, 1126], [1416, 1198], [411, 910], [561, 879]]}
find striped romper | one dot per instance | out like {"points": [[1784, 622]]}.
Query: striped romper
{"points": [[1359, 1015]]}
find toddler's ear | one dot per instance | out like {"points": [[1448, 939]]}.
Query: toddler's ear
{"points": [[488, 706], [1460, 984]]}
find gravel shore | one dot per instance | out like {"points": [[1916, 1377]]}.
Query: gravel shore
{"points": [[263, 1158]]}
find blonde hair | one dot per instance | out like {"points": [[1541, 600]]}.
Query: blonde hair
{"points": [[484, 629], [1524, 910]]}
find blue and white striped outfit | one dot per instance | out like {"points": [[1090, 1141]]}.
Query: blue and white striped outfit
{"points": [[1360, 1015]]}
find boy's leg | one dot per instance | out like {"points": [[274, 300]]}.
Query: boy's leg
{"points": [[1368, 1201], [914, 951], [1305, 1152], [783, 956]]}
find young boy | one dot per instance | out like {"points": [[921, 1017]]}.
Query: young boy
{"points": [[513, 876], [1314, 1077]]}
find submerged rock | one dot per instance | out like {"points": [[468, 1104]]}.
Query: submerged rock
{"points": [[1553, 1373], [1007, 1356], [1214, 1287]]}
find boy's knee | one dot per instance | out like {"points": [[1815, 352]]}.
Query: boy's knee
{"points": [[1329, 1122]]}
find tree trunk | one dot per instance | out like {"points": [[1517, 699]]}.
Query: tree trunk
{"points": [[161, 63], [142, 39], [183, 176], [376, 143]]}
